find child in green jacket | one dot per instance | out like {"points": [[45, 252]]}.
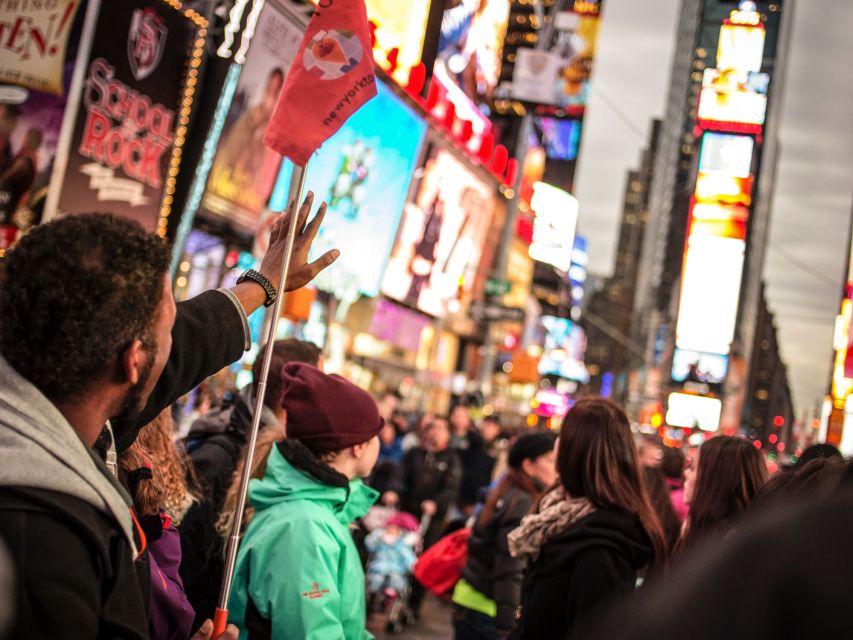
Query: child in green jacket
{"points": [[298, 572]]}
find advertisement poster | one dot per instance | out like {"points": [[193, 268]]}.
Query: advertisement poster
{"points": [[123, 137], [440, 241], [471, 42], [33, 41], [244, 169], [363, 173], [399, 29], [30, 124]]}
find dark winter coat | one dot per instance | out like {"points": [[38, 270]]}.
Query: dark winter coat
{"points": [[73, 562], [490, 569], [477, 467], [579, 572], [215, 445]]}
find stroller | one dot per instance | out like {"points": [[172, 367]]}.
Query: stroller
{"points": [[394, 543]]}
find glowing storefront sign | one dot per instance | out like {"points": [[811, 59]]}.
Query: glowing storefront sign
{"points": [[710, 291], [554, 225], [692, 412]]}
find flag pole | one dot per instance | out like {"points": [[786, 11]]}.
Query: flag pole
{"points": [[220, 618]]}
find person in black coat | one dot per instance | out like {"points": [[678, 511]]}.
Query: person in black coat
{"points": [[215, 445], [91, 333], [477, 464], [591, 535], [488, 593]]}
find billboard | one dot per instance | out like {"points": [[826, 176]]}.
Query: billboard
{"points": [[693, 412], [710, 289], [554, 225], [741, 47], [695, 366], [244, 170], [712, 187], [560, 138], [732, 96], [563, 349], [440, 240], [470, 44], [135, 108], [398, 29], [727, 154], [363, 173]]}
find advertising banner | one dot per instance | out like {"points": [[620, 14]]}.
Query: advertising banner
{"points": [[244, 169], [33, 41], [122, 145]]}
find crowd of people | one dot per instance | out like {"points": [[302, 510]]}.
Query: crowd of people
{"points": [[111, 526]]}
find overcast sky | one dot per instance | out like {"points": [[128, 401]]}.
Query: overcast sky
{"points": [[805, 262]]}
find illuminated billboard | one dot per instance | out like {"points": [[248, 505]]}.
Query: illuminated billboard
{"points": [[740, 47], [693, 412], [363, 173], [398, 29], [710, 289], [440, 240], [712, 187], [559, 138], [564, 349], [733, 96], [554, 225], [694, 366], [727, 154]]}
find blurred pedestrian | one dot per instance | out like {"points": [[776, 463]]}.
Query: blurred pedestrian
{"points": [[477, 464], [388, 403], [719, 484], [590, 536], [673, 471], [298, 572], [497, 443], [216, 443], [659, 495], [489, 591], [813, 481], [649, 452], [391, 444], [392, 554], [820, 450], [155, 473]]}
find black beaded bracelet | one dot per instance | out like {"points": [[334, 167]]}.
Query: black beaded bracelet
{"points": [[256, 276]]}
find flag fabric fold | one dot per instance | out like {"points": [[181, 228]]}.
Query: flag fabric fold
{"points": [[331, 77]]}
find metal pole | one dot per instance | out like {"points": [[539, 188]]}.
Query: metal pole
{"points": [[522, 144], [221, 617]]}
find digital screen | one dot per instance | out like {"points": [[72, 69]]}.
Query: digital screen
{"points": [[740, 47], [440, 240], [710, 291], [712, 187], [398, 26], [728, 228], [554, 225], [244, 169], [363, 173], [564, 349], [719, 211], [693, 366], [470, 44], [732, 106], [726, 154], [576, 39], [559, 138], [693, 412]]}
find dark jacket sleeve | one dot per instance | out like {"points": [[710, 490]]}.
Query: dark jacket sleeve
{"points": [[450, 485], [598, 578], [507, 572], [208, 335]]}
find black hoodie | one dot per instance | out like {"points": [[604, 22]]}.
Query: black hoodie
{"points": [[580, 571]]}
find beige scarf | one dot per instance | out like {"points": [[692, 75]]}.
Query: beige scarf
{"points": [[556, 513]]}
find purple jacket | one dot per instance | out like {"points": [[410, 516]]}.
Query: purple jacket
{"points": [[171, 613]]}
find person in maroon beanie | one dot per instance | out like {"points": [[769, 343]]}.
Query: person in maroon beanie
{"points": [[298, 573]]}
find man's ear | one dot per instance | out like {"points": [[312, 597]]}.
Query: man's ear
{"points": [[357, 450], [132, 362]]}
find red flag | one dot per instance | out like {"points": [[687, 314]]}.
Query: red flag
{"points": [[330, 79]]}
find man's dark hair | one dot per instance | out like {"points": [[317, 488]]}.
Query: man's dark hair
{"points": [[284, 351], [74, 294]]}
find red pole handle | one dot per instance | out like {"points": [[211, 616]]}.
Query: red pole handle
{"points": [[220, 621]]}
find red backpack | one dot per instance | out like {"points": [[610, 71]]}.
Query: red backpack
{"points": [[440, 566]]}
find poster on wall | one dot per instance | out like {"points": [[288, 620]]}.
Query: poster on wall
{"points": [[33, 43], [31, 119], [124, 136], [244, 169], [441, 236]]}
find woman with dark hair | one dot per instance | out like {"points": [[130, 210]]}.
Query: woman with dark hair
{"points": [[718, 487], [593, 533], [660, 496], [487, 595]]}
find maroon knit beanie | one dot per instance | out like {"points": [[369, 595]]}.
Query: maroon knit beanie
{"points": [[326, 412]]}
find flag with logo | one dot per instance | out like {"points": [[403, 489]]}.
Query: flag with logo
{"points": [[331, 77]]}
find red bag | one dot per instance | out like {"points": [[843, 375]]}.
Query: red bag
{"points": [[440, 566]]}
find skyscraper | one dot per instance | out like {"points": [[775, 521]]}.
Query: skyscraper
{"points": [[699, 283]]}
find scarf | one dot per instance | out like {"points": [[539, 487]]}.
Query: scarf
{"points": [[556, 513]]}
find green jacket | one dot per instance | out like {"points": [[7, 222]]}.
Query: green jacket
{"points": [[297, 559]]}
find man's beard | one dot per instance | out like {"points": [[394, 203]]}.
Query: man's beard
{"points": [[134, 403]]}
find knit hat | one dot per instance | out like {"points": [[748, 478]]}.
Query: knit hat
{"points": [[326, 412], [530, 446], [403, 520]]}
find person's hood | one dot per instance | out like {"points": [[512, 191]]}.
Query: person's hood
{"points": [[294, 473], [235, 418], [610, 529], [41, 450]]}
